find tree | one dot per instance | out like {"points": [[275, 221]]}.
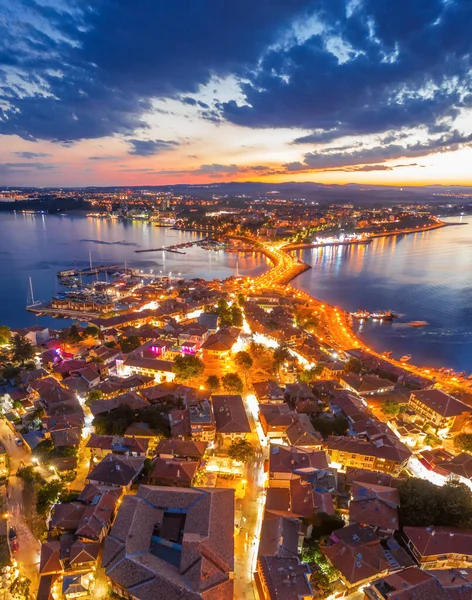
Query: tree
{"points": [[232, 383], [91, 331], [241, 299], [92, 396], [353, 365], [188, 367], [22, 349], [48, 494], [463, 441], [10, 372], [422, 503], [74, 333], [391, 408], [5, 335], [20, 588], [236, 316], [129, 344], [213, 383], [308, 375], [243, 360], [240, 450], [323, 524], [330, 425]]}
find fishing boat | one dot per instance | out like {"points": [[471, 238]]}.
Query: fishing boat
{"points": [[418, 323]]}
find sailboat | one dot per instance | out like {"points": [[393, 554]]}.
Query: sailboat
{"points": [[30, 301]]}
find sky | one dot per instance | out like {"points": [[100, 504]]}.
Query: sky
{"points": [[147, 92]]}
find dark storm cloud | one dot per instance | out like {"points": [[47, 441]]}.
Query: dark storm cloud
{"points": [[151, 147], [406, 64], [85, 70], [90, 69]]}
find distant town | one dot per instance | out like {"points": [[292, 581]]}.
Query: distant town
{"points": [[192, 438]]}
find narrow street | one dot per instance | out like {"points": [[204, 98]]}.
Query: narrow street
{"points": [[246, 542], [29, 547]]}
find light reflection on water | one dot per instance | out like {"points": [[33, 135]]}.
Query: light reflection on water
{"points": [[40, 245], [424, 277]]}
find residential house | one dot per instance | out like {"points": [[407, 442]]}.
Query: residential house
{"points": [[414, 583], [302, 434], [175, 472], [283, 578], [116, 471], [384, 454], [221, 343], [187, 449], [201, 421], [183, 536], [439, 547], [366, 385], [375, 505], [269, 392], [275, 419], [230, 416], [444, 412], [102, 445], [358, 555], [288, 462]]}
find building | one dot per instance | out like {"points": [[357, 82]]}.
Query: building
{"points": [[287, 463], [116, 471], [384, 453], [230, 416], [414, 583], [101, 445], [202, 422], [172, 544], [375, 505], [161, 370], [221, 343], [358, 555], [442, 411], [366, 385], [174, 472], [283, 578], [439, 547]]}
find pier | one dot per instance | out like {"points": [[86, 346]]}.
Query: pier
{"points": [[88, 271]]}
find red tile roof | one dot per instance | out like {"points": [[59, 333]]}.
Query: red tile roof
{"points": [[230, 414], [440, 402], [433, 541]]}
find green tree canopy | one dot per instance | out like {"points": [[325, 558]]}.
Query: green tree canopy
{"points": [[240, 450], [5, 335], [22, 349], [330, 425], [48, 494], [188, 367], [129, 344], [232, 383], [213, 383], [92, 396], [422, 503], [91, 331], [323, 524], [243, 360], [391, 408], [463, 441], [353, 365]]}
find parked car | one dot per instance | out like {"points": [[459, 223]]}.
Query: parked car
{"points": [[12, 533], [14, 546], [18, 442]]}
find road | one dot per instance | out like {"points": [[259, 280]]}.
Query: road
{"points": [[246, 542], [29, 547]]}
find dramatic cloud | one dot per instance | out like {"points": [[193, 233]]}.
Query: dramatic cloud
{"points": [[151, 147], [90, 69], [328, 69]]}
